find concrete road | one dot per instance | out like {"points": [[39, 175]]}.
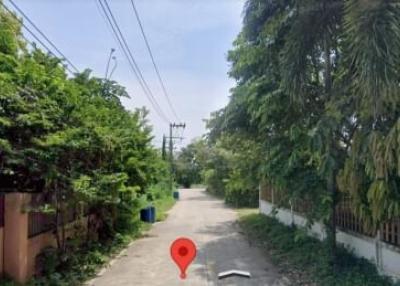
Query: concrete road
{"points": [[220, 247]]}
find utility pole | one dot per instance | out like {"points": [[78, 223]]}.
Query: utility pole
{"points": [[163, 148], [171, 148]]}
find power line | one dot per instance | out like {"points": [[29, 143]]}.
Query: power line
{"points": [[32, 34], [132, 63], [131, 60], [104, 16], [42, 34], [139, 73], [153, 61]]}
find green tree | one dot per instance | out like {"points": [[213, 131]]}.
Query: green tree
{"points": [[190, 163], [317, 97], [71, 138]]}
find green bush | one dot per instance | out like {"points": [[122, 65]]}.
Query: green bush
{"points": [[239, 193], [127, 220], [84, 261], [214, 183], [290, 248], [238, 197], [159, 191]]}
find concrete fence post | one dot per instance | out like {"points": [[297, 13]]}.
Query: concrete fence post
{"points": [[16, 237], [259, 197], [378, 251], [291, 212], [272, 196]]}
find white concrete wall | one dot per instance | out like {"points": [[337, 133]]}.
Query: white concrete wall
{"points": [[317, 230], [288, 218], [390, 260], [385, 256], [362, 246]]}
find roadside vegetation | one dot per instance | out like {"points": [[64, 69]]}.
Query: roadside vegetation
{"points": [[231, 175], [315, 114], [86, 260], [305, 260], [162, 202], [70, 138]]}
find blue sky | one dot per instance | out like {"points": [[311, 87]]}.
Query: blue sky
{"points": [[189, 39]]}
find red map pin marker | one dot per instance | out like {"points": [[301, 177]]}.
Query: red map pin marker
{"points": [[183, 251]]}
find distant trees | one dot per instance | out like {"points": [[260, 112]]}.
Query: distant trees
{"points": [[228, 167], [188, 164], [317, 101]]}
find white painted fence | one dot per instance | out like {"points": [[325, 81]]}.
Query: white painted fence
{"points": [[385, 256]]}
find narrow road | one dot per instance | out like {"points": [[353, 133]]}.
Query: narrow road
{"points": [[220, 247]]}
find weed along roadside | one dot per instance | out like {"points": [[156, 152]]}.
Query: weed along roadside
{"points": [[305, 260], [82, 261], [88, 259]]}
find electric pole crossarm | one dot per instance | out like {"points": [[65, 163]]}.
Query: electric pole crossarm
{"points": [[171, 148]]}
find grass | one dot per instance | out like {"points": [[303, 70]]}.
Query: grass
{"points": [[306, 260], [87, 262], [162, 207], [243, 212]]}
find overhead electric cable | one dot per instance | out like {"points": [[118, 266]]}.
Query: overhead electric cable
{"points": [[124, 48], [33, 35], [104, 16], [42, 34], [153, 61], [131, 60], [149, 92]]}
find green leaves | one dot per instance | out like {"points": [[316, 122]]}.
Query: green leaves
{"points": [[318, 87], [372, 34], [70, 137]]}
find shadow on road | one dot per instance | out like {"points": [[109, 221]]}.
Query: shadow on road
{"points": [[207, 198], [227, 249]]}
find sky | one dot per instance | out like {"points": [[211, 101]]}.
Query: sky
{"points": [[189, 39]]}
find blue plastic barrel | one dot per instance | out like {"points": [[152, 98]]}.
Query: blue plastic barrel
{"points": [[148, 214], [176, 195], [152, 214], [145, 215]]}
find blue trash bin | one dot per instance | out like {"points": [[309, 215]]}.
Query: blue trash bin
{"points": [[176, 195], [148, 214], [152, 214], [145, 215]]}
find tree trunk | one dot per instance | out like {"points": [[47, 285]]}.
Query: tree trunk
{"points": [[58, 239], [63, 244]]}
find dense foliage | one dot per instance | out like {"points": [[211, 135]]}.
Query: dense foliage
{"points": [[69, 137], [315, 112], [190, 162], [227, 167]]}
